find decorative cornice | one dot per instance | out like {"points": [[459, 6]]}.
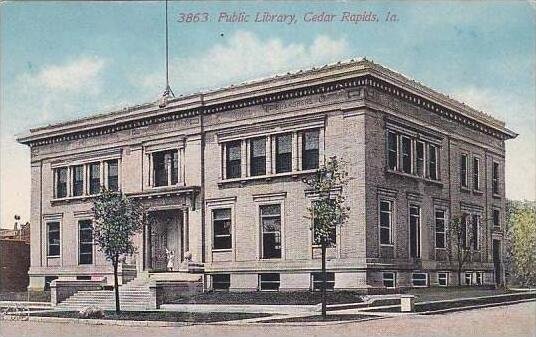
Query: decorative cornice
{"points": [[327, 79]]}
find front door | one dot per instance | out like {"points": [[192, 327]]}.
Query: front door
{"points": [[166, 240], [497, 261]]}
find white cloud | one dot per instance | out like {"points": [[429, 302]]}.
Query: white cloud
{"points": [[78, 75], [244, 56]]}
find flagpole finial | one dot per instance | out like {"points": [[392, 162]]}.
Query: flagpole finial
{"points": [[167, 92]]}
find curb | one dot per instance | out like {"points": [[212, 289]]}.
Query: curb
{"points": [[104, 322], [478, 306]]}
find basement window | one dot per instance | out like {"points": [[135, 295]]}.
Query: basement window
{"points": [[221, 281], [317, 281], [419, 279], [269, 282], [389, 279]]}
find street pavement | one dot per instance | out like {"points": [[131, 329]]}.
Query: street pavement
{"points": [[510, 320]]}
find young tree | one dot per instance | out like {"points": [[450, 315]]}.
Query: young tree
{"points": [[327, 211], [520, 234], [461, 242], [117, 220]]}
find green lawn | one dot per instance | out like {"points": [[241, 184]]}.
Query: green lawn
{"points": [[450, 293], [281, 298], [166, 316], [319, 318]]}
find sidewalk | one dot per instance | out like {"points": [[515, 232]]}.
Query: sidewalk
{"points": [[242, 308]]}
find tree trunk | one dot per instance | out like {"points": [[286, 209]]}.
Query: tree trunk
{"points": [[324, 279], [116, 285], [459, 277]]}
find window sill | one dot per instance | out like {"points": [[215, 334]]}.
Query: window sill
{"points": [[478, 192], [427, 180], [267, 177], [387, 245], [441, 248], [496, 196], [223, 250], [77, 198], [465, 189], [53, 256]]}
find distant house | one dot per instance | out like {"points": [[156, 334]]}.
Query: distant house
{"points": [[14, 258], [220, 172]]}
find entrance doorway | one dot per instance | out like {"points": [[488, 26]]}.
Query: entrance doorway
{"points": [[165, 241]]}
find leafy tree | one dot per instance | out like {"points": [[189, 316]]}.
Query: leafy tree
{"points": [[520, 233], [461, 242], [327, 211], [117, 220]]}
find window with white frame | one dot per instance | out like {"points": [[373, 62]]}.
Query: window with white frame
{"points": [[271, 231], [113, 175], [419, 279], [476, 173], [283, 153], [419, 158], [165, 168], [440, 228], [269, 281], [386, 222], [406, 155], [389, 279], [310, 149], [53, 238], [61, 176], [412, 155], [94, 178], [316, 279], [432, 162], [478, 278], [496, 218], [495, 178], [222, 228], [468, 278], [78, 180], [464, 163], [258, 156], [85, 242], [442, 279], [392, 150], [233, 159]]}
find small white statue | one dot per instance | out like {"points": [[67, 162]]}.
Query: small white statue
{"points": [[170, 257]]}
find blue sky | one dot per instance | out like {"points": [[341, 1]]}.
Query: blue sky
{"points": [[63, 60]]}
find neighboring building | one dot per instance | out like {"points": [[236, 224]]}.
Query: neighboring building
{"points": [[221, 174], [14, 258]]}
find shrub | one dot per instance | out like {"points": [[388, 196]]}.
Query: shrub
{"points": [[91, 312]]}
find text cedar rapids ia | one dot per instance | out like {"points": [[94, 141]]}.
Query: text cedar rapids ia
{"points": [[238, 17]]}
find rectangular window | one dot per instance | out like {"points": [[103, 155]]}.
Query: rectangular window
{"points": [[269, 281], [283, 160], [233, 159], [432, 162], [317, 281], [389, 279], [85, 242], [442, 279], [478, 278], [61, 182], [419, 279], [468, 279], [94, 178], [406, 155], [310, 147], [419, 158], [258, 156], [496, 218], [222, 228], [495, 178], [440, 231], [415, 231], [463, 170], [392, 150], [474, 231], [78, 180], [476, 173], [386, 219], [221, 281], [53, 239], [165, 168], [271, 231], [113, 175]]}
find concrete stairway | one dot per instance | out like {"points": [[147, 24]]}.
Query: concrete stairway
{"points": [[134, 295]]}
